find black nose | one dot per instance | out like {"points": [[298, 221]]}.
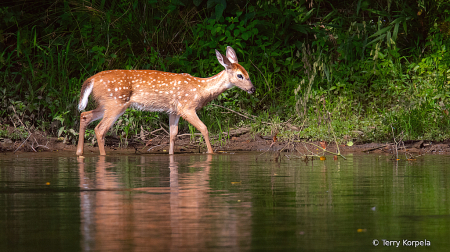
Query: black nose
{"points": [[251, 90]]}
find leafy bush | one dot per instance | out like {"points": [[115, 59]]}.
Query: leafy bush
{"points": [[363, 61]]}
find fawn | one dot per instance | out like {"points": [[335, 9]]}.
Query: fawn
{"points": [[152, 90]]}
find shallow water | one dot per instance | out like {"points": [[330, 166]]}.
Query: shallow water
{"points": [[224, 202]]}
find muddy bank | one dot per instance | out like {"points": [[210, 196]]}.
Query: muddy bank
{"points": [[40, 142]]}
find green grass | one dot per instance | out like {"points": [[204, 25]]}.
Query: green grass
{"points": [[347, 76]]}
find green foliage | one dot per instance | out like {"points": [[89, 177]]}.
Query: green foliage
{"points": [[385, 62]]}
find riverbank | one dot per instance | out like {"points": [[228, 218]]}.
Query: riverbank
{"points": [[187, 143]]}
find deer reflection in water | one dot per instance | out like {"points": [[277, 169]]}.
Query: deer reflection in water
{"points": [[182, 216]]}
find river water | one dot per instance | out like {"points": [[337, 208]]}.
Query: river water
{"points": [[224, 202]]}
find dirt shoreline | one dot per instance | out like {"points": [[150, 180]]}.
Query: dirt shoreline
{"points": [[39, 142]]}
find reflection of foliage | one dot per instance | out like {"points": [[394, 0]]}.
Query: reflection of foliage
{"points": [[385, 60]]}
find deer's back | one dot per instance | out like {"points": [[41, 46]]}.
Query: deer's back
{"points": [[150, 90]]}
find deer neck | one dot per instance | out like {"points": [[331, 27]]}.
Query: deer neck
{"points": [[217, 84]]}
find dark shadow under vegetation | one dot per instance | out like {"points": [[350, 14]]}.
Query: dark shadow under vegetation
{"points": [[335, 71]]}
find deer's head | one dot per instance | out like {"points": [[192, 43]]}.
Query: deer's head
{"points": [[237, 75]]}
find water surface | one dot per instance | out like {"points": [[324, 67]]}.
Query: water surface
{"points": [[224, 202]]}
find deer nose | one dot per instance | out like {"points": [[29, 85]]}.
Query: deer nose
{"points": [[251, 90]]}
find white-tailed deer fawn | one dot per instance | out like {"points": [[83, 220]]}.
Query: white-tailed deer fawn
{"points": [[151, 90]]}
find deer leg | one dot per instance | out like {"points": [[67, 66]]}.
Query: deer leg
{"points": [[109, 119], [193, 119], [85, 119], [173, 124]]}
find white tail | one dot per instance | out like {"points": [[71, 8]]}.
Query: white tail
{"points": [[85, 92], [151, 90]]}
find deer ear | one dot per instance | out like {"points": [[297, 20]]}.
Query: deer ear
{"points": [[231, 55], [222, 60]]}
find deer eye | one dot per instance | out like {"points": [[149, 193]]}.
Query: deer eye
{"points": [[240, 76]]}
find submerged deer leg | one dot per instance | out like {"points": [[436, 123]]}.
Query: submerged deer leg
{"points": [[173, 122], [85, 119]]}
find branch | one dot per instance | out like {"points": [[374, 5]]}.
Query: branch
{"points": [[338, 154], [254, 117], [22, 143]]}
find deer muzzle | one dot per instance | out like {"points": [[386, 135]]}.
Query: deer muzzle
{"points": [[251, 90]]}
